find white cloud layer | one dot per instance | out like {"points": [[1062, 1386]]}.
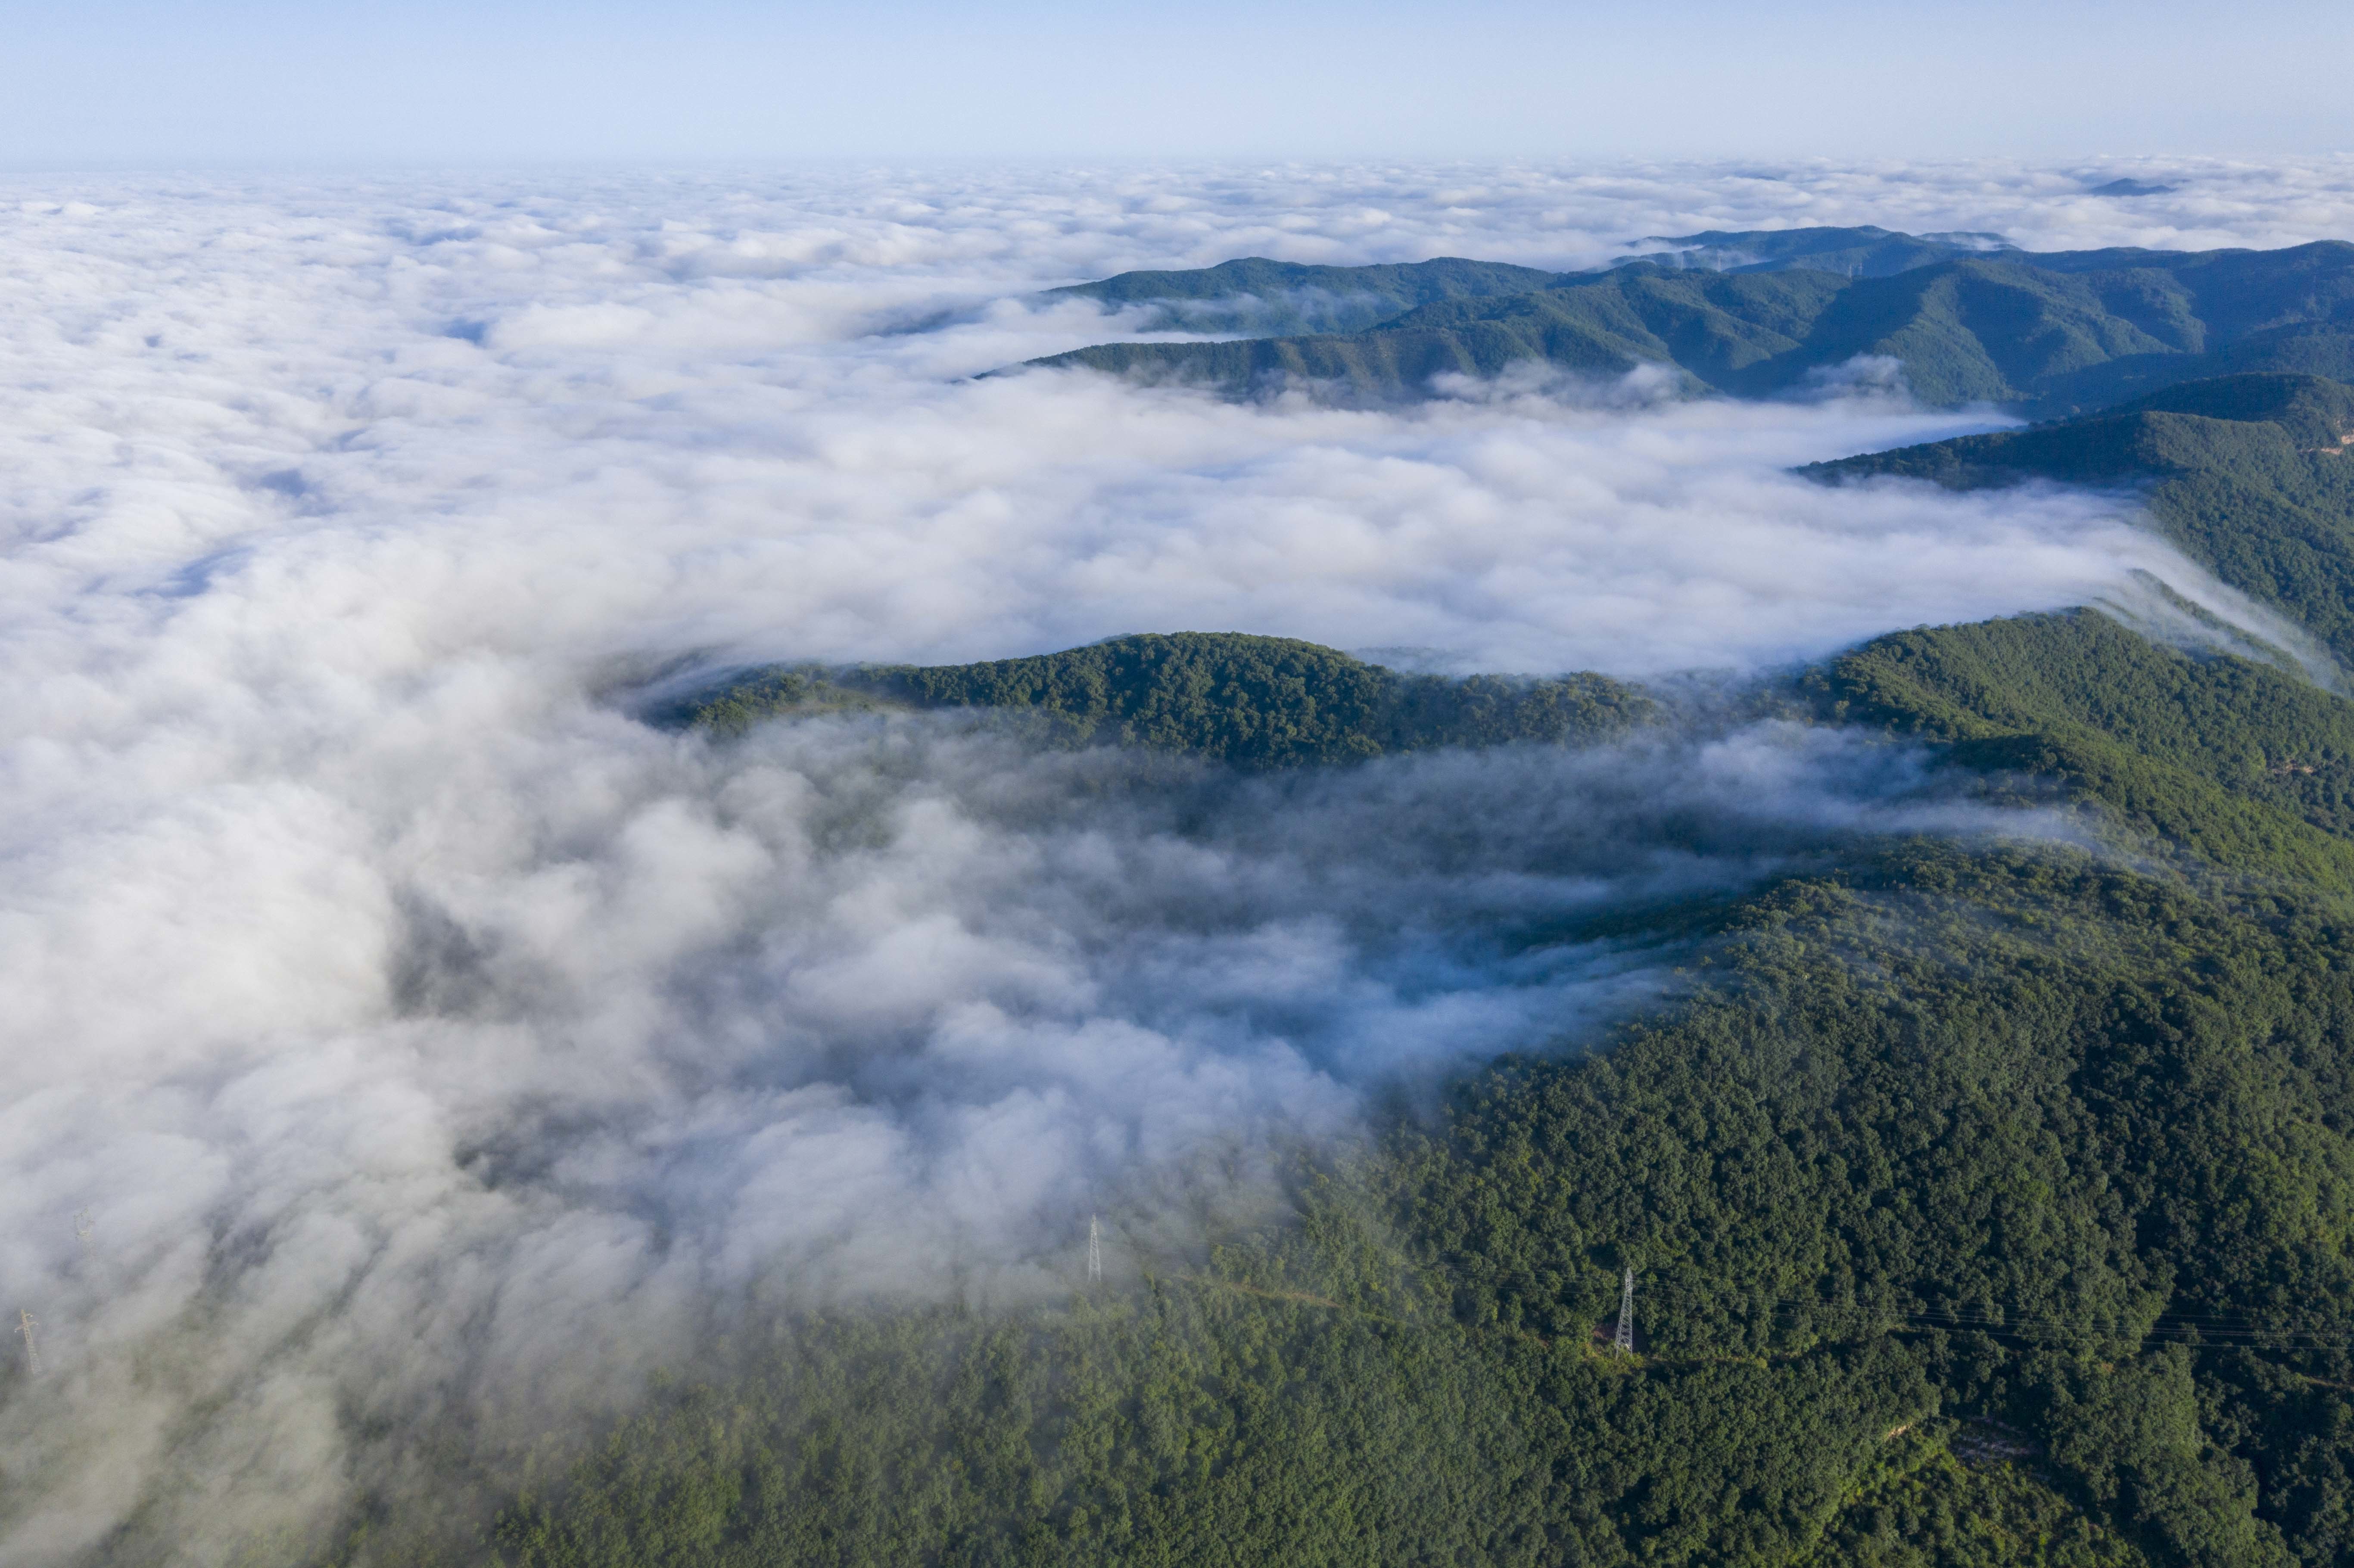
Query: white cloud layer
{"points": [[410, 1021]]}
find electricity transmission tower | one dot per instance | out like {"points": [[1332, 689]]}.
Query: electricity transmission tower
{"points": [[1095, 1251], [25, 1324], [82, 1226], [1624, 1344]]}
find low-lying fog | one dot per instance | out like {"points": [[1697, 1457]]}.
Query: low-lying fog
{"points": [[392, 1020]]}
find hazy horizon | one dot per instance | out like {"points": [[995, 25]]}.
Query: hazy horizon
{"points": [[432, 82]]}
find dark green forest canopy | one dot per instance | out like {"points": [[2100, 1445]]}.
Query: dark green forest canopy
{"points": [[1948, 1138], [2167, 432], [1991, 1205], [2240, 764], [2052, 332], [1991, 1199], [1265, 702], [2252, 475]]}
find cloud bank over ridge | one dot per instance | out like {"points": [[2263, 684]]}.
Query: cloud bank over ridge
{"points": [[411, 1023]]}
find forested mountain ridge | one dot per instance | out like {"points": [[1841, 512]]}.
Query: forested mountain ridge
{"points": [[1947, 1136], [1990, 1197], [2137, 439], [2054, 334], [1255, 297], [1260, 702], [1954, 1151], [2250, 474]]}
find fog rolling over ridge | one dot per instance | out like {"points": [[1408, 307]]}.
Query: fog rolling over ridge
{"points": [[419, 1031]]}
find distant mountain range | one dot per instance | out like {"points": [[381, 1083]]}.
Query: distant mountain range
{"points": [[1963, 317]]}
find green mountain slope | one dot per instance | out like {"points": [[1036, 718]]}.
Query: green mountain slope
{"points": [[2016, 1103], [2044, 1126], [1991, 1203], [2050, 332], [1862, 252], [1991, 1199], [2252, 475], [1722, 324], [1266, 701], [1255, 297], [2237, 763]]}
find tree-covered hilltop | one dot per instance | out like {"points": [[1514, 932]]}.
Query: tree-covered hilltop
{"points": [[2048, 333], [1960, 1158], [1990, 1197], [1262, 701], [2252, 475], [2148, 438], [1991, 1203], [2240, 764], [2074, 1140]]}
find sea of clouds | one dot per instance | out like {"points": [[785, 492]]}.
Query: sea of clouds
{"points": [[393, 1024]]}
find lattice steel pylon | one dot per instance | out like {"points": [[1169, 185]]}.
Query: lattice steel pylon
{"points": [[1095, 1251], [25, 1324], [1625, 1343]]}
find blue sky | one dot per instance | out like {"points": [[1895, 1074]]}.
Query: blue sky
{"points": [[408, 80]]}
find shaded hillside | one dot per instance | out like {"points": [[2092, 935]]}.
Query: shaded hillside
{"points": [[1258, 298], [1255, 297], [2052, 333], [1862, 252], [2250, 476], [1266, 702], [2239, 764]]}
